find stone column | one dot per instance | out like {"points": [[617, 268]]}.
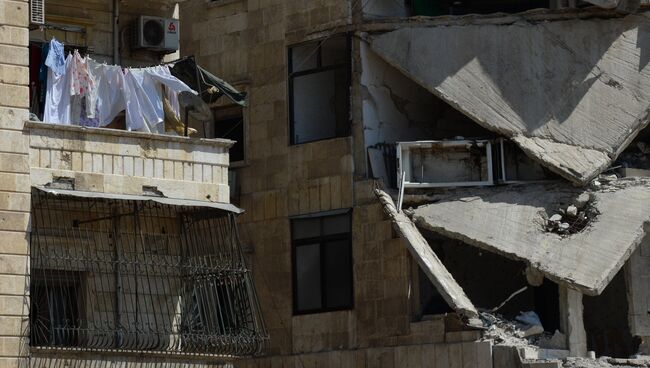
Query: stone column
{"points": [[572, 322], [14, 181]]}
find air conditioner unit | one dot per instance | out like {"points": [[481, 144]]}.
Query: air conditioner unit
{"points": [[37, 11], [157, 34]]}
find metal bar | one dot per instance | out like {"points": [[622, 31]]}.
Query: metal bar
{"points": [[171, 279]]}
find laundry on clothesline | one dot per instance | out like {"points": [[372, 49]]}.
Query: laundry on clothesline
{"points": [[81, 91]]}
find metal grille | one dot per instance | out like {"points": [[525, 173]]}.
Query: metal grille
{"points": [[132, 275], [37, 11]]}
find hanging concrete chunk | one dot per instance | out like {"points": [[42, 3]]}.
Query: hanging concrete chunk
{"points": [[430, 263], [570, 100], [511, 221]]}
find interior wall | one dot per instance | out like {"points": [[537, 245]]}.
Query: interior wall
{"points": [[489, 279], [606, 321], [396, 108]]}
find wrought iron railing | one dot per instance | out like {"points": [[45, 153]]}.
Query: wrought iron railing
{"points": [[138, 275]]}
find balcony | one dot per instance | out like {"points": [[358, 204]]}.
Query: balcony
{"points": [[128, 163]]}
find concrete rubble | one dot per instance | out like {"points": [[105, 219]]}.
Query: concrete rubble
{"points": [[512, 221], [588, 102]]}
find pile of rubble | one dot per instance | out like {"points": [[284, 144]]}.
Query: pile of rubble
{"points": [[574, 218], [606, 362], [525, 330]]}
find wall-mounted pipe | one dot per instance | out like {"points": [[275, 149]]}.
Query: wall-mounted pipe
{"points": [[116, 32]]}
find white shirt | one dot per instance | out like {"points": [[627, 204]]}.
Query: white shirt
{"points": [[108, 92], [57, 98]]}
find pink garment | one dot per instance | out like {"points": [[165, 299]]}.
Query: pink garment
{"points": [[82, 83]]}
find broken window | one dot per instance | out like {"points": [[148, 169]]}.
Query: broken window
{"points": [[322, 263], [319, 90], [139, 275], [453, 163], [445, 163]]}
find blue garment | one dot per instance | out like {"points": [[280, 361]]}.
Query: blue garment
{"points": [[56, 58]]}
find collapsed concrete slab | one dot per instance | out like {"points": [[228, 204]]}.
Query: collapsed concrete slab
{"points": [[511, 221], [430, 264], [570, 100]]}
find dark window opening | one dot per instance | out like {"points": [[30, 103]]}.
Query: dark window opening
{"points": [[456, 7], [228, 123], [54, 308], [431, 302], [319, 90], [322, 263], [489, 279]]}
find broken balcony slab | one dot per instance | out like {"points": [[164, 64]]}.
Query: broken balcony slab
{"points": [[512, 221], [570, 100], [430, 264]]}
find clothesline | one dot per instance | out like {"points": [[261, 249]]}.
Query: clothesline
{"points": [[81, 91]]}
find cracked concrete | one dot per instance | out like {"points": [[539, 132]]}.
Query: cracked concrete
{"points": [[570, 100], [509, 221]]}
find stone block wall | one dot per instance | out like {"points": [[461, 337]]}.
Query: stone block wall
{"points": [[247, 41], [97, 18], [14, 181], [459, 354]]}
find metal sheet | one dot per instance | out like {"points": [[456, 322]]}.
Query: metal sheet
{"points": [[162, 200]]}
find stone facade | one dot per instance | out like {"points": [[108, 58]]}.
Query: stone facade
{"points": [[14, 179], [100, 160], [247, 41], [96, 18], [121, 162]]}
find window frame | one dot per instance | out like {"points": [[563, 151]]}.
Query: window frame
{"points": [[227, 112], [291, 75], [321, 240]]}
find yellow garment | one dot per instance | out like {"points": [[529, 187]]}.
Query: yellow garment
{"points": [[172, 122]]}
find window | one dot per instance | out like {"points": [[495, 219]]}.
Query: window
{"points": [[229, 124], [322, 263], [139, 275], [55, 308], [319, 88]]}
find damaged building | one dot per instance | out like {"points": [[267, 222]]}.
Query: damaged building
{"points": [[441, 183], [384, 183]]}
